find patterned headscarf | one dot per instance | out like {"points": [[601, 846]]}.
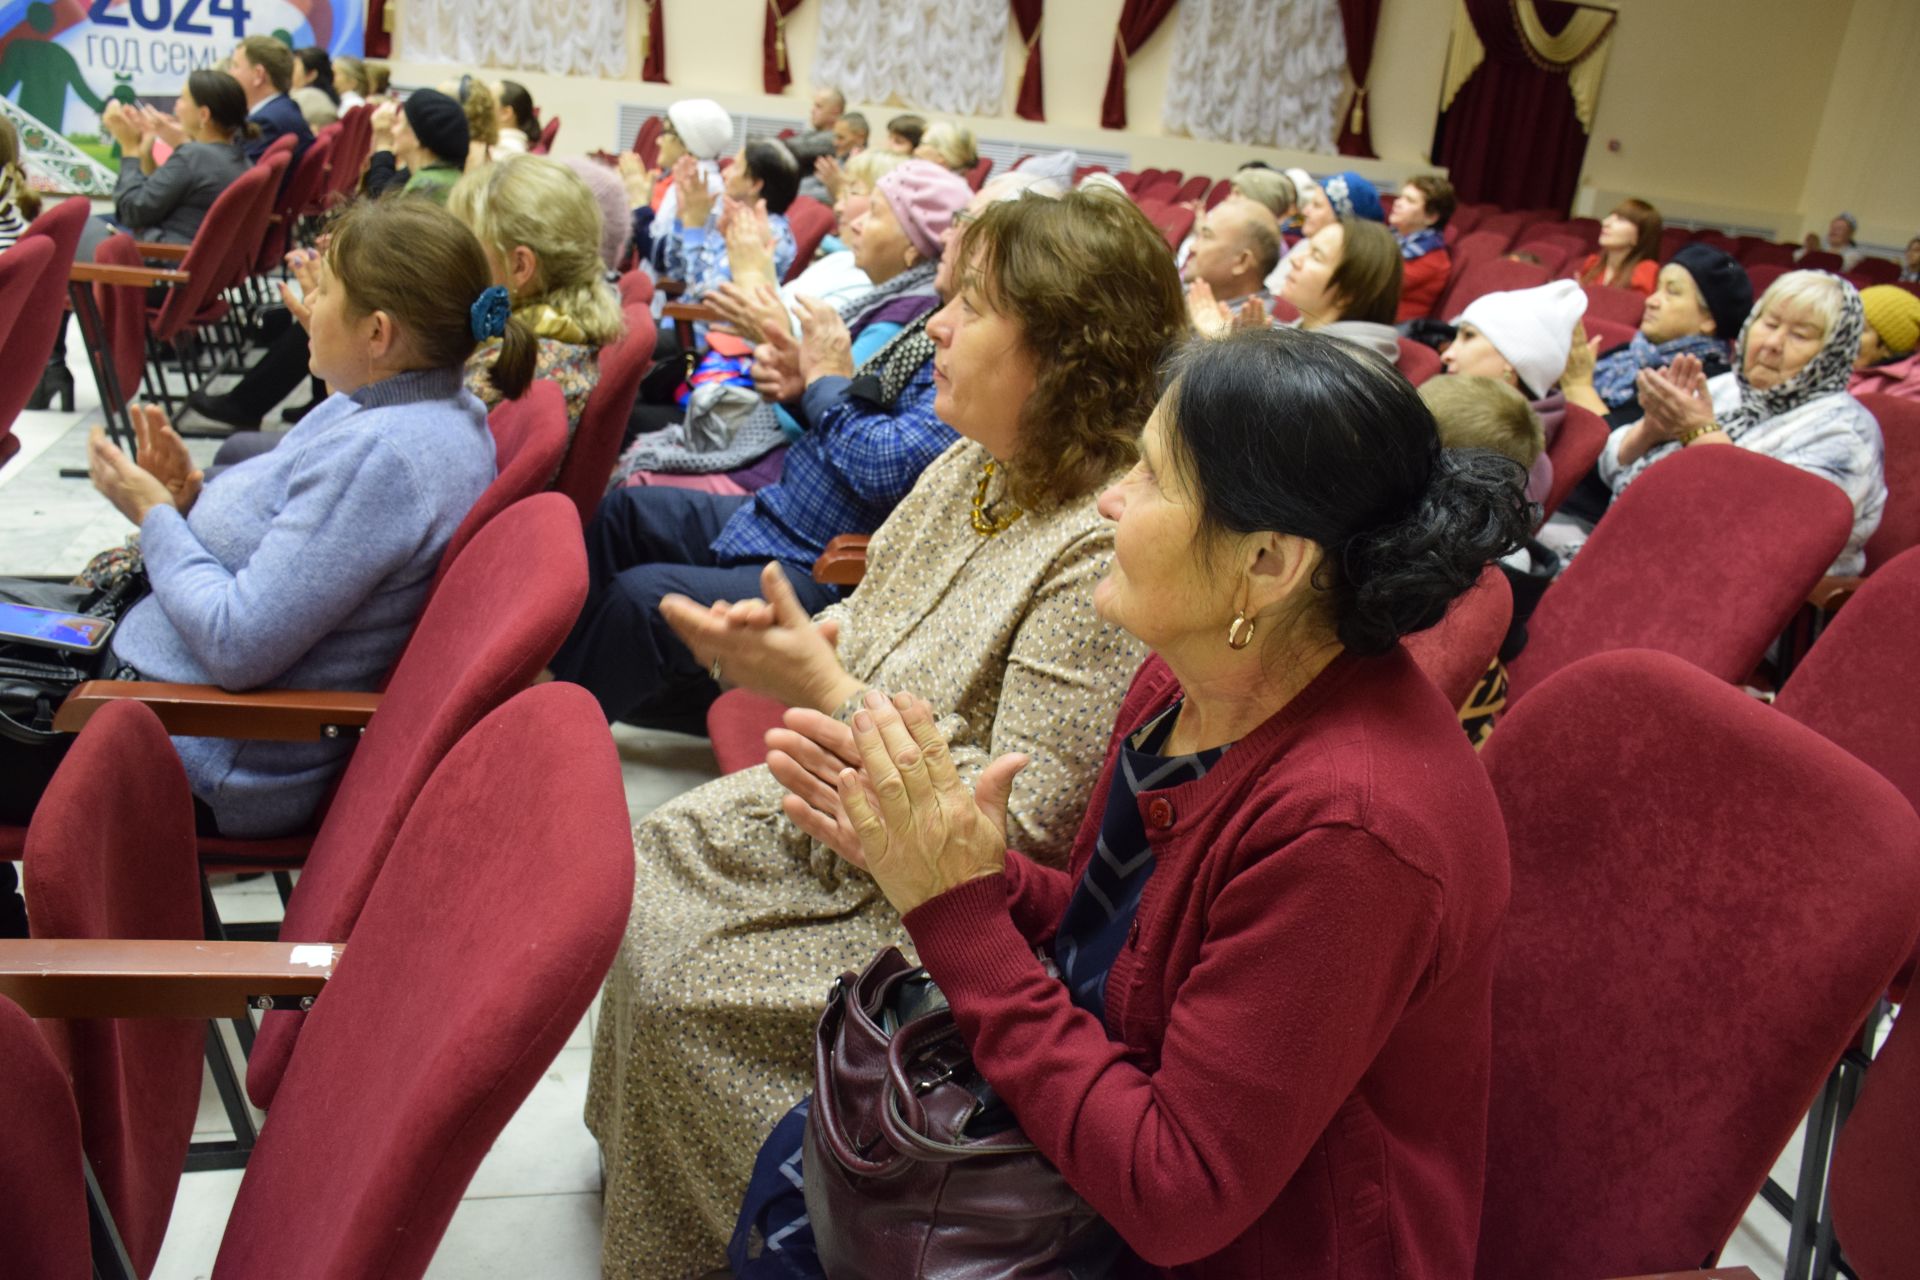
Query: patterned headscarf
{"points": [[1824, 375]]}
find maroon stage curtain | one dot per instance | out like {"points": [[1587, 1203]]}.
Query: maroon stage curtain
{"points": [[655, 67], [1511, 137], [1360, 19], [1031, 105], [1139, 19], [378, 43], [775, 74]]}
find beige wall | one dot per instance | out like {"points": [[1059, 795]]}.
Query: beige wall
{"points": [[1866, 157], [1725, 110]]}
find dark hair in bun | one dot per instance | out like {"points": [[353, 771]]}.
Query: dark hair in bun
{"points": [[1286, 431]]}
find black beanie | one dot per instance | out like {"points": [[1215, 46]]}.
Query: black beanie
{"points": [[1723, 286], [440, 124]]}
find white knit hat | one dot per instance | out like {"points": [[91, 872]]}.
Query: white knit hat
{"points": [[1532, 329], [705, 128]]}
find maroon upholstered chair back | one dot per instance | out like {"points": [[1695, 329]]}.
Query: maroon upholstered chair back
{"points": [[40, 322], [110, 854], [1605, 335], [1622, 306], [1582, 435], [496, 620], [305, 192], [43, 1195], [529, 436], [548, 132], [1855, 686], [1706, 556], [19, 273], [1762, 274], [1456, 651], [123, 312], [1899, 529], [977, 176], [22, 268], [646, 143], [1875, 1182], [737, 725], [1417, 361], [480, 948], [603, 423], [216, 246], [810, 221], [1491, 275], [636, 288], [1174, 221], [1638, 1097]]}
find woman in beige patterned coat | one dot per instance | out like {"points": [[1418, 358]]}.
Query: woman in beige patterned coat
{"points": [[977, 596]]}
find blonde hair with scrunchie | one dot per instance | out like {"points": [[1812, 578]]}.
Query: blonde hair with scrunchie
{"points": [[538, 203]]}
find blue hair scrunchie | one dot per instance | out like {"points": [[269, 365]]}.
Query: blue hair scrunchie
{"points": [[488, 315]]}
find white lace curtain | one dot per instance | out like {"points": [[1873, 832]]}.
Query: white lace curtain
{"points": [[1266, 72], [941, 55], [566, 37]]}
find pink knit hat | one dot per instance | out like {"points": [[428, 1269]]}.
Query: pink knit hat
{"points": [[924, 197]]}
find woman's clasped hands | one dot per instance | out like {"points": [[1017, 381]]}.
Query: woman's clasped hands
{"points": [[165, 476], [885, 795]]}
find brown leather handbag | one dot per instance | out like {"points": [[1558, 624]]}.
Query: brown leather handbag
{"points": [[915, 1170]]}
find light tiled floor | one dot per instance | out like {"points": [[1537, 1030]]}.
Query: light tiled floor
{"points": [[533, 1210]]}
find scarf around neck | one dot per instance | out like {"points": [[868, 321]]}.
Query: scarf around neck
{"points": [[1826, 374], [1421, 243], [1614, 373], [546, 322], [915, 281]]}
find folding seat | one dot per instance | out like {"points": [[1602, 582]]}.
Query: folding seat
{"points": [[1221, 190], [1456, 651], [603, 423], [529, 439], [1820, 260], [810, 221], [1761, 275], [1705, 556], [111, 855], [1468, 216], [493, 623], [1671, 238], [1417, 361], [1194, 188], [1622, 306], [1174, 220], [548, 132], [1637, 1097], [977, 176], [42, 314], [1606, 334], [1582, 435], [1490, 275], [474, 963], [21, 270], [1872, 271], [1505, 225], [1876, 1164], [646, 143], [43, 1192], [1766, 253]]}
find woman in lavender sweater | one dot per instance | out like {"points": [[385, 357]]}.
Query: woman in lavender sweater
{"points": [[307, 567]]}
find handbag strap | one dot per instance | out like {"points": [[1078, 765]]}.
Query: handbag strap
{"points": [[900, 1095], [826, 1039]]}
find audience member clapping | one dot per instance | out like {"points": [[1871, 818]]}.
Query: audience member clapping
{"points": [[1234, 250]]}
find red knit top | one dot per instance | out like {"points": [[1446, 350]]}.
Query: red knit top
{"points": [[1421, 281], [1644, 278], [1292, 1076]]}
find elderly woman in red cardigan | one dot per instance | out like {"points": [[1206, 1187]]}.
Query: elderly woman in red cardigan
{"points": [[1266, 1049]]}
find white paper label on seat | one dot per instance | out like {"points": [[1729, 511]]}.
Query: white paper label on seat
{"points": [[315, 957]]}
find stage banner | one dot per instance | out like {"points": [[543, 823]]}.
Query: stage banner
{"points": [[60, 62]]}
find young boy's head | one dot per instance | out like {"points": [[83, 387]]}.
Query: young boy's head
{"points": [[1484, 413]]}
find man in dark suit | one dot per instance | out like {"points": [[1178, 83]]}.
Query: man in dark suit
{"points": [[264, 68]]}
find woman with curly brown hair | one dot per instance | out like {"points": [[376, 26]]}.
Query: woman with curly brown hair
{"points": [[978, 595]]}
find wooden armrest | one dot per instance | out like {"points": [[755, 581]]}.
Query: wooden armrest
{"points": [[203, 711], [698, 312], [672, 288], [167, 978], [1829, 594], [844, 562], [139, 277], [155, 249]]}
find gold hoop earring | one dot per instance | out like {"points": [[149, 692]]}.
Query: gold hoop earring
{"points": [[1240, 631]]}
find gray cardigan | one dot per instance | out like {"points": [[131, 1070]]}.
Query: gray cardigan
{"points": [[173, 200]]}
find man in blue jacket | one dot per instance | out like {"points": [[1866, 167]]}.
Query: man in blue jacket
{"points": [[264, 68]]}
